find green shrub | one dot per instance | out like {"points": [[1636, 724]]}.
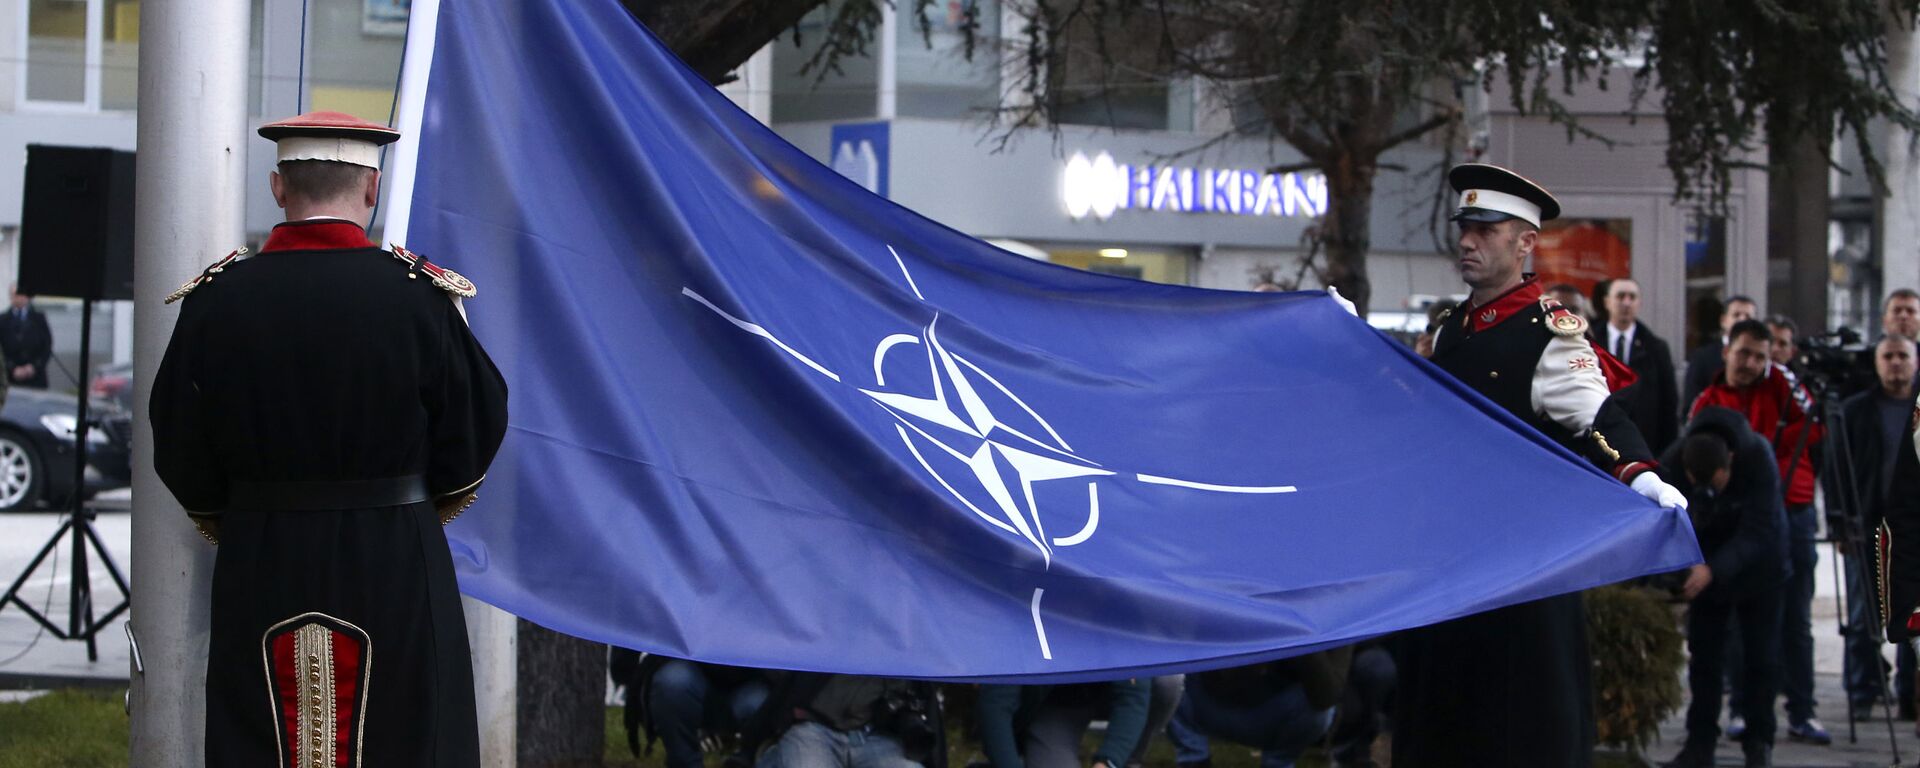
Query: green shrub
{"points": [[1638, 656]]}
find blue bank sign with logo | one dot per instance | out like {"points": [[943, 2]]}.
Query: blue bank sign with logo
{"points": [[860, 153]]}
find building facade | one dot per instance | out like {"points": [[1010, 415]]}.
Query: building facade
{"points": [[1142, 185]]}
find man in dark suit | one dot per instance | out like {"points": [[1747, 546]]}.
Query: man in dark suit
{"points": [[1874, 420], [1704, 362], [1653, 402], [26, 341]]}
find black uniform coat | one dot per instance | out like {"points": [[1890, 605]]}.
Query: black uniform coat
{"points": [[1508, 687], [26, 341], [1653, 402], [1899, 542], [334, 629]]}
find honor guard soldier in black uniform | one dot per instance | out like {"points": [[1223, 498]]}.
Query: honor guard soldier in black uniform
{"points": [[321, 412], [1511, 687], [1899, 541]]}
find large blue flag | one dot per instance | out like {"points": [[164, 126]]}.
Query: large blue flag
{"points": [[763, 417]]}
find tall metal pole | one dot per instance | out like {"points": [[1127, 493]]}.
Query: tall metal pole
{"points": [[188, 211]]}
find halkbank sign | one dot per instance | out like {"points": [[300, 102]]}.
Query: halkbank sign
{"points": [[1100, 187]]}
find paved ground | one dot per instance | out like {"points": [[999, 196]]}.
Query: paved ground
{"points": [[1873, 746], [30, 658]]}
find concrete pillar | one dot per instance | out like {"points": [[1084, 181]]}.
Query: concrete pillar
{"points": [[189, 203]]}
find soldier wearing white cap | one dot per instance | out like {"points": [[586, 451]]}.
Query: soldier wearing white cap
{"points": [[1511, 687], [322, 410]]}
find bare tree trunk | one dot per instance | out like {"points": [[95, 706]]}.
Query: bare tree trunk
{"points": [[562, 707], [1797, 209], [1346, 231]]}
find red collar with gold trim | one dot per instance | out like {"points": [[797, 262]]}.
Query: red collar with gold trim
{"points": [[1506, 305], [316, 235]]}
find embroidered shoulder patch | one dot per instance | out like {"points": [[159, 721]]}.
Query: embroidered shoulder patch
{"points": [[206, 275], [1562, 321], [443, 278]]}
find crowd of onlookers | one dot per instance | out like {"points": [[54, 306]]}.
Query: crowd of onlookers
{"points": [[1763, 430], [1747, 434], [1335, 699]]}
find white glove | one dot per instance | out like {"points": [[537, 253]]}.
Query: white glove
{"points": [[1342, 301], [1650, 485]]}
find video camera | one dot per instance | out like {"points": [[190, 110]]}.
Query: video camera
{"points": [[1837, 363]]}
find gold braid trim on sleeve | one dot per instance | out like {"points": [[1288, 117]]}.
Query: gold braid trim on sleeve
{"points": [[209, 526], [451, 505], [1605, 447], [1883, 555]]}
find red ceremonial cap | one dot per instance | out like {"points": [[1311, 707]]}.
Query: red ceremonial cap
{"points": [[333, 136]]}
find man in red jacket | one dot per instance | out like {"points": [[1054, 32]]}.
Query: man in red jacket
{"points": [[1777, 408]]}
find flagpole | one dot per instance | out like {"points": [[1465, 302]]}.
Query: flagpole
{"points": [[189, 211], [492, 634]]}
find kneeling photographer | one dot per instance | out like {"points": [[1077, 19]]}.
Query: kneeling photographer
{"points": [[1733, 496], [850, 721]]}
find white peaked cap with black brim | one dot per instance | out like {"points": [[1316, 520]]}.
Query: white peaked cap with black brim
{"points": [[1489, 193]]}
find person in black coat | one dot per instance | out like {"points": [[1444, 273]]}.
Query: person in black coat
{"points": [[1874, 421], [1733, 492], [1897, 542], [1653, 402], [26, 341], [1704, 362], [321, 411], [1512, 687]]}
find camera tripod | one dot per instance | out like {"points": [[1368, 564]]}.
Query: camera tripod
{"points": [[1843, 505], [81, 624]]}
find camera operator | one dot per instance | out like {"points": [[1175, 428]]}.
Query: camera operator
{"points": [[850, 721], [1776, 408], [1874, 421], [1731, 481]]}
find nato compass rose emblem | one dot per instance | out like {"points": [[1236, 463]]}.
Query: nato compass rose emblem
{"points": [[959, 427]]}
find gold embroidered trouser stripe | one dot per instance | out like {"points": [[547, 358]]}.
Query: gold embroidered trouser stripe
{"points": [[319, 730]]}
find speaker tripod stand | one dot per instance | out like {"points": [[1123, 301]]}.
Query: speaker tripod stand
{"points": [[81, 624]]}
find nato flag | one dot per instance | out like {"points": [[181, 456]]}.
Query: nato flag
{"points": [[762, 417]]}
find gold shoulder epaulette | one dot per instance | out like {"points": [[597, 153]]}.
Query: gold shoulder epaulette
{"points": [[443, 278], [1562, 321], [206, 275]]}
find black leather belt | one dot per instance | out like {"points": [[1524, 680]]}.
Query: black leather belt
{"points": [[320, 496]]}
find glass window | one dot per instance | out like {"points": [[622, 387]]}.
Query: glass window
{"points": [[1584, 253], [848, 94], [57, 50], [1107, 82], [120, 55], [353, 56], [1150, 264], [1706, 278], [934, 77]]}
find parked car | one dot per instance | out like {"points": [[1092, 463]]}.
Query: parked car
{"points": [[114, 383], [36, 449]]}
